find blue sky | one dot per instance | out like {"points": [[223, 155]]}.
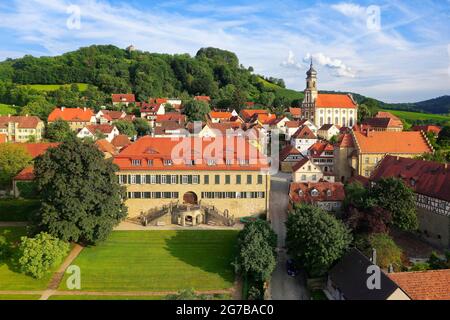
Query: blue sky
{"points": [[396, 51]]}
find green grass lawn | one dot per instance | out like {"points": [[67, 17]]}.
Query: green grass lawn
{"points": [[288, 93], [53, 87], [159, 261], [18, 209], [414, 116], [10, 277], [6, 109]]}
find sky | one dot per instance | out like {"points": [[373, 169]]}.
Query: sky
{"points": [[395, 51]]}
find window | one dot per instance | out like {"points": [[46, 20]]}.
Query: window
{"points": [[211, 162], [133, 179], [173, 179], [229, 162], [168, 162], [135, 162], [238, 179], [328, 193], [206, 179], [249, 179], [314, 193], [260, 179], [227, 179], [184, 179], [314, 177], [217, 179], [163, 179], [195, 179], [303, 178], [149, 163], [153, 179]]}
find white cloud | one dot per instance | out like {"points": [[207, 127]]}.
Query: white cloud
{"points": [[350, 9], [336, 66], [291, 62]]}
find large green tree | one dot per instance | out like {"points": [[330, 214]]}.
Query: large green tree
{"points": [[59, 131], [315, 238], [393, 195], [81, 197], [196, 110], [256, 256], [126, 128], [13, 158]]}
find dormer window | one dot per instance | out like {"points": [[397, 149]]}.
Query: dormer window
{"points": [[168, 162], [149, 163], [328, 193], [229, 162], [314, 193], [211, 162], [190, 162], [300, 193], [243, 162], [412, 182], [135, 163]]}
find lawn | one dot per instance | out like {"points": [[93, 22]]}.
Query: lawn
{"points": [[288, 93], [6, 109], [415, 116], [54, 87], [159, 261], [10, 278], [18, 209]]}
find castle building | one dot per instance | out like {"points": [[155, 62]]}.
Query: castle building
{"points": [[321, 108]]}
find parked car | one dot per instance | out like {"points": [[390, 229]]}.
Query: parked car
{"points": [[291, 268]]}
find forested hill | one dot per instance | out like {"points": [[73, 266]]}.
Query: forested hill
{"points": [[213, 72]]}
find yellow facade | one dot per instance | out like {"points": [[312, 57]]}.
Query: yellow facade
{"points": [[17, 134], [249, 197]]}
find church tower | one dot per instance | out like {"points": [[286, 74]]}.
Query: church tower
{"points": [[311, 92]]}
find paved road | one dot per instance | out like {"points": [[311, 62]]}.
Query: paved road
{"points": [[283, 286]]}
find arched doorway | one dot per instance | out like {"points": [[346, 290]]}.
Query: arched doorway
{"points": [[190, 198]]}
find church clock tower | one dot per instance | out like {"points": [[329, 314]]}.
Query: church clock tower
{"points": [[311, 92]]}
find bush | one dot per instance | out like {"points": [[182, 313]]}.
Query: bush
{"points": [[39, 254], [387, 251], [255, 293], [27, 189]]}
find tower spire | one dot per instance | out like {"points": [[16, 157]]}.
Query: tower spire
{"points": [[311, 65]]}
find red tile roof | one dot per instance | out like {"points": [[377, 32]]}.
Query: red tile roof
{"points": [[171, 116], [220, 115], [202, 98], [304, 133], [105, 146], [320, 147], [37, 149], [26, 174], [296, 112], [428, 128], [120, 141], [103, 128], [160, 149], [293, 124], [424, 177], [247, 114], [424, 285], [287, 151], [71, 114], [327, 191], [113, 115], [27, 122], [345, 140], [125, 98], [300, 164], [392, 142], [329, 100]]}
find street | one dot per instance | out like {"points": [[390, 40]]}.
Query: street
{"points": [[283, 286]]}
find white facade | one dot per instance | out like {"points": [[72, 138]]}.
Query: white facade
{"points": [[344, 117]]}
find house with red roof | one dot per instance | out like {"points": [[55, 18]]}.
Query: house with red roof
{"points": [[21, 128], [121, 141], [206, 99], [123, 99], [303, 139], [289, 156], [430, 181], [198, 173], [327, 131], [321, 153], [296, 113], [94, 131], [428, 129], [77, 118], [383, 121], [328, 196], [110, 116]]}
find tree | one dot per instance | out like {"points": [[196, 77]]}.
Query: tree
{"points": [[388, 253], [315, 239], [59, 131], [256, 257], [357, 196], [38, 255], [141, 126], [196, 110], [266, 98], [126, 128], [80, 193], [444, 136], [39, 107], [363, 112], [372, 220], [393, 195], [238, 100], [13, 158]]}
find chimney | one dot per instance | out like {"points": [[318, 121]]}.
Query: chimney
{"points": [[84, 109], [390, 268], [62, 108], [26, 115]]}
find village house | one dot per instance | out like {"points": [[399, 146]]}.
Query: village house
{"points": [[327, 131], [289, 156], [223, 116], [121, 141], [347, 280], [303, 139], [123, 99], [322, 154], [328, 196], [169, 129], [150, 111], [21, 128], [27, 174], [292, 127], [435, 130], [321, 108], [170, 117], [77, 118], [366, 149], [430, 182], [296, 113], [279, 124], [383, 121], [155, 172], [107, 148], [94, 131], [424, 285], [306, 171], [110, 116]]}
